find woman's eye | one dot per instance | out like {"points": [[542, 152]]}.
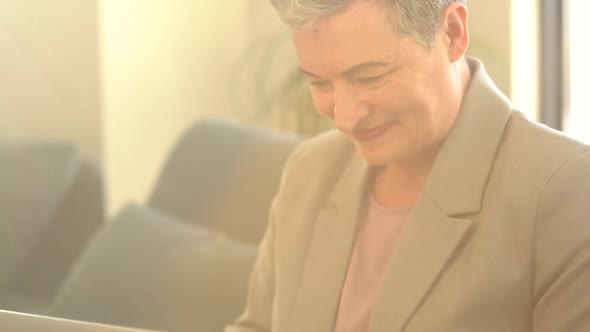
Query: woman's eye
{"points": [[320, 84], [370, 79]]}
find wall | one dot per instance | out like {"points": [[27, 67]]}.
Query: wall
{"points": [[49, 71], [525, 39], [490, 30], [166, 65]]}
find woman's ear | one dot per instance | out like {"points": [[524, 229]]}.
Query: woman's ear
{"points": [[456, 30]]}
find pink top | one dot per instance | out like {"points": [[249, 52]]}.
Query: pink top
{"points": [[375, 243]]}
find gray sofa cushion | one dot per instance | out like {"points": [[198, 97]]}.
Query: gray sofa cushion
{"points": [[148, 270], [34, 178], [223, 175]]}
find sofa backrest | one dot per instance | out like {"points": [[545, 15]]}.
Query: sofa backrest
{"points": [[223, 175]]}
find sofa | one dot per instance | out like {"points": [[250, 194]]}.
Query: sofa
{"points": [[51, 204], [181, 260]]}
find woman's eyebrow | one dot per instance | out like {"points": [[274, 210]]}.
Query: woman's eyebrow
{"points": [[354, 69]]}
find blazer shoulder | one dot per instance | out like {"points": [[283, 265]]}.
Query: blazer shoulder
{"points": [[539, 144]]}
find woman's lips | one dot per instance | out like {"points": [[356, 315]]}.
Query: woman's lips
{"points": [[371, 133]]}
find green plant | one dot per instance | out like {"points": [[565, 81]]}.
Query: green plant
{"points": [[268, 85]]}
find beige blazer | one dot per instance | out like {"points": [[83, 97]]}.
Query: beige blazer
{"points": [[499, 239]]}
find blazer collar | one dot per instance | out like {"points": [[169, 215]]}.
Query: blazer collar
{"points": [[466, 157]]}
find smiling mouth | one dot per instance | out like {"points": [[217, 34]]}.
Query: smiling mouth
{"points": [[372, 133]]}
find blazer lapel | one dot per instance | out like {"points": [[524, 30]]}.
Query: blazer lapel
{"points": [[329, 253], [425, 246], [440, 220]]}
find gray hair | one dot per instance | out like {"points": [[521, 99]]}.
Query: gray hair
{"points": [[419, 19]]}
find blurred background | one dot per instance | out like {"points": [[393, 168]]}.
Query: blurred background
{"points": [[123, 79]]}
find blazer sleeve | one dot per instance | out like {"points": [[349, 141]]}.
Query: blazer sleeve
{"points": [[257, 316], [562, 251]]}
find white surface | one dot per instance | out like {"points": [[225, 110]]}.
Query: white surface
{"points": [[12, 321]]}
